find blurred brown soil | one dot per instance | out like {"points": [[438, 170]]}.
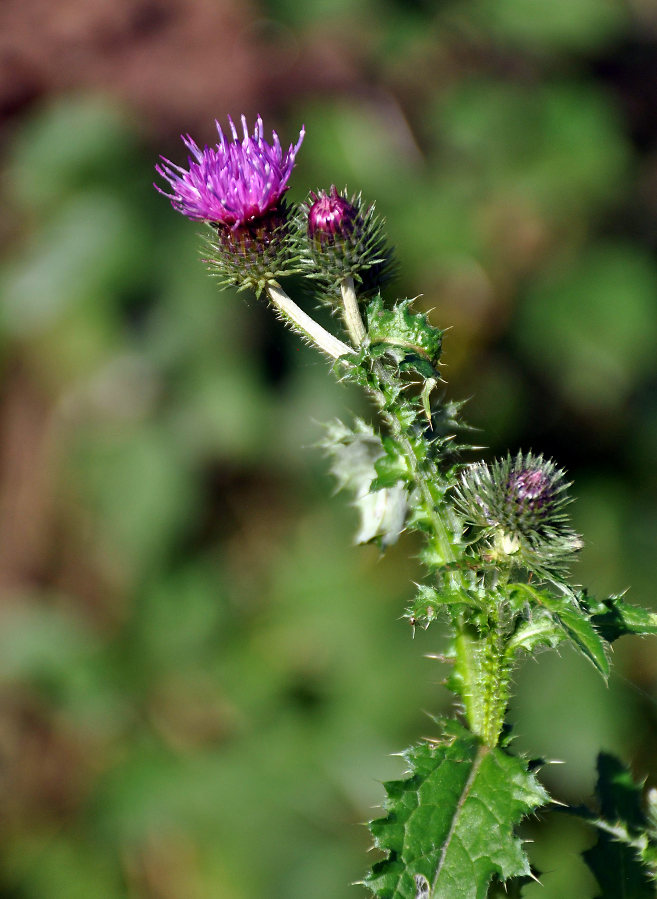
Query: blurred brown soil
{"points": [[177, 63]]}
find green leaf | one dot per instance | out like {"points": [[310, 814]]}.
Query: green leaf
{"points": [[614, 618], [405, 334], [623, 859], [582, 634], [425, 396], [354, 456], [452, 820], [391, 467], [428, 600], [512, 889], [538, 630], [573, 620]]}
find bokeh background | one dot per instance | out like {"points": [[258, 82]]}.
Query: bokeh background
{"points": [[202, 680]]}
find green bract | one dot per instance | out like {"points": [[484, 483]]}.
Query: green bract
{"points": [[254, 255]]}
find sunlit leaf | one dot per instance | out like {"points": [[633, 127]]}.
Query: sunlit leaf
{"points": [[452, 820]]}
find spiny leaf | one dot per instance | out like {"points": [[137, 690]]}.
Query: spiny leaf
{"points": [[609, 619], [573, 620], [512, 889], [582, 634], [614, 618], [353, 456], [428, 600], [452, 820], [392, 465], [405, 334], [623, 859], [538, 630]]}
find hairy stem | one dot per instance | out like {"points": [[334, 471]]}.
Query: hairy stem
{"points": [[357, 332], [308, 327], [351, 312], [443, 540], [481, 677], [482, 665]]}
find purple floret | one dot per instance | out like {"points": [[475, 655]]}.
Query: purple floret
{"points": [[237, 182], [531, 496], [531, 488]]}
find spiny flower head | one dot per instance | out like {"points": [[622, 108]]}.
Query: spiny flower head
{"points": [[342, 237], [519, 503], [238, 181]]}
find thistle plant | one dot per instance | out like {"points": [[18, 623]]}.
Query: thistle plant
{"points": [[497, 545]]}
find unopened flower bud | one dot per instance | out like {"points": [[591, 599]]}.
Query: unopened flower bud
{"points": [[519, 504], [341, 237], [330, 217]]}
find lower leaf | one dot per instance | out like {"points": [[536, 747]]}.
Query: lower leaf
{"points": [[450, 824]]}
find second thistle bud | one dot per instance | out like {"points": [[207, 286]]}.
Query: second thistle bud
{"points": [[341, 238], [530, 498], [331, 218]]}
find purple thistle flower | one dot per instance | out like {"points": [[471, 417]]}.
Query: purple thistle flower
{"points": [[239, 181]]}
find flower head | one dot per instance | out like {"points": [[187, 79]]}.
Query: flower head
{"points": [[234, 183], [519, 504]]}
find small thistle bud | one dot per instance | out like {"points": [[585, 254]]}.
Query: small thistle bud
{"points": [[518, 504], [331, 218], [339, 238]]}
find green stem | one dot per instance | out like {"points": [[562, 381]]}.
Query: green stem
{"points": [[481, 677], [443, 541], [357, 332], [306, 325], [482, 670], [351, 312]]}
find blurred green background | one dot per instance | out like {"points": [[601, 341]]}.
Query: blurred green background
{"points": [[202, 680]]}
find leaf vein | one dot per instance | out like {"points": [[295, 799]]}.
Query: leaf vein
{"points": [[481, 754]]}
